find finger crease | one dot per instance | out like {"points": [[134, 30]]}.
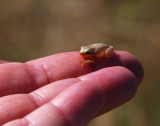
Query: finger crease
{"points": [[26, 122], [64, 117], [38, 74], [37, 99], [31, 76], [45, 72]]}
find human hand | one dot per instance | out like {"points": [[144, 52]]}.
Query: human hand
{"points": [[59, 91]]}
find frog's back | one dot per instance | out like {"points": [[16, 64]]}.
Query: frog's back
{"points": [[98, 47]]}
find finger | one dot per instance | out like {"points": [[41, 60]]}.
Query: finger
{"points": [[83, 100], [56, 70], [2, 61], [105, 90], [34, 74], [17, 106]]}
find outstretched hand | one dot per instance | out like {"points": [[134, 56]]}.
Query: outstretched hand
{"points": [[59, 91]]}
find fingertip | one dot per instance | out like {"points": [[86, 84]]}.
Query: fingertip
{"points": [[119, 85], [129, 61], [117, 77], [120, 58]]}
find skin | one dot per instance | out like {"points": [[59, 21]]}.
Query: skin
{"points": [[47, 92]]}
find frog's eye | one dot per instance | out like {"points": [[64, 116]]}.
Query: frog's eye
{"points": [[88, 53]]}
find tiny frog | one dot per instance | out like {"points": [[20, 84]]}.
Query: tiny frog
{"points": [[95, 51]]}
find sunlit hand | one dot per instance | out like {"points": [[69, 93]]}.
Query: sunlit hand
{"points": [[59, 91]]}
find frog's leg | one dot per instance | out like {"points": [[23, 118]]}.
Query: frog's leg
{"points": [[88, 61], [108, 52]]}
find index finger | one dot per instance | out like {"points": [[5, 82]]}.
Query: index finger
{"points": [[25, 77]]}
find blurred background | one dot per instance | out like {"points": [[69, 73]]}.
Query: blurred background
{"points": [[32, 29]]}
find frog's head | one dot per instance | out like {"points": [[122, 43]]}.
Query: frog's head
{"points": [[86, 50]]}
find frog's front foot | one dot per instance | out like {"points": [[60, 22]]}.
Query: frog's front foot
{"points": [[87, 62]]}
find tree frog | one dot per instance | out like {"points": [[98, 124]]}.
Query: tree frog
{"points": [[95, 51]]}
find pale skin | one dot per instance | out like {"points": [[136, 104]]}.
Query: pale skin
{"points": [[45, 92]]}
